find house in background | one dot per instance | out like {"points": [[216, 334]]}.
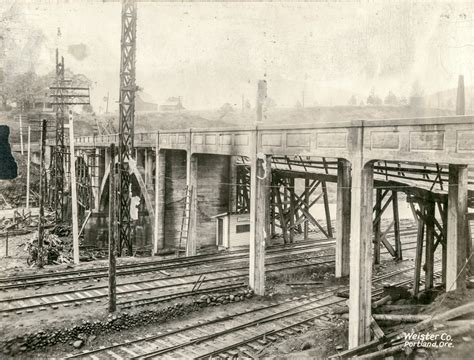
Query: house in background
{"points": [[144, 102], [172, 104]]}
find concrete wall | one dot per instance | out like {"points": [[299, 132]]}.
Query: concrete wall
{"points": [[212, 195], [175, 190]]}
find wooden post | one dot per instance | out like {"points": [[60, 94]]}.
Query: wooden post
{"points": [[191, 183], [259, 221], [306, 206], [396, 225], [21, 134], [75, 220], [378, 220], [360, 252], [343, 217], [291, 190], [42, 190], [326, 208], [419, 249], [112, 227], [457, 227], [28, 169], [429, 250]]}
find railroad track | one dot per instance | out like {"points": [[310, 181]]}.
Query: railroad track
{"points": [[243, 333], [160, 266], [165, 287], [133, 293]]}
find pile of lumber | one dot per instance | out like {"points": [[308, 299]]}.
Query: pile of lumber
{"points": [[385, 345]]}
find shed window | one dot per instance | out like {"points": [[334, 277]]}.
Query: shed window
{"points": [[242, 228]]}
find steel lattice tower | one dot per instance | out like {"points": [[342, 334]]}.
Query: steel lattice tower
{"points": [[126, 117], [57, 201]]}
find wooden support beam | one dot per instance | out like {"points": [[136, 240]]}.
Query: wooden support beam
{"points": [[260, 183], [326, 208], [419, 250], [343, 217], [291, 190], [192, 183], [429, 250], [456, 227], [378, 209], [360, 253], [306, 206], [396, 225]]}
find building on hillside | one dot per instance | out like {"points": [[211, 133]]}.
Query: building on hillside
{"points": [[172, 104], [43, 103], [144, 103]]}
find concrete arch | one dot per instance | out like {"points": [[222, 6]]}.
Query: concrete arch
{"points": [[147, 196]]}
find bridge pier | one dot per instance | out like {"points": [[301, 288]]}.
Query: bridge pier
{"points": [[360, 252], [160, 212], [192, 184], [260, 186], [458, 244]]}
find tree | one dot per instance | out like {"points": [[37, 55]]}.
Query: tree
{"points": [[391, 99], [373, 99], [416, 96], [225, 109]]}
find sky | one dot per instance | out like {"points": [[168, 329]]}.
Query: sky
{"points": [[210, 53]]}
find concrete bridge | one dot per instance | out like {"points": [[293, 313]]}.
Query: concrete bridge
{"points": [[166, 163]]}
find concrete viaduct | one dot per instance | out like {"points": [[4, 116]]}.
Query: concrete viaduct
{"points": [[166, 162]]}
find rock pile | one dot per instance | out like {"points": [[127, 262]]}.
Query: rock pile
{"points": [[79, 334]]}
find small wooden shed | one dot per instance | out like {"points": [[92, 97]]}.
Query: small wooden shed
{"points": [[232, 230]]}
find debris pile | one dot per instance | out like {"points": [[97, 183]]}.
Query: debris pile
{"points": [[55, 250], [19, 224]]}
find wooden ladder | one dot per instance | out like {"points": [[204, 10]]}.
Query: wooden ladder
{"points": [[183, 234]]}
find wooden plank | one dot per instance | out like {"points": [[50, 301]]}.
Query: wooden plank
{"points": [[343, 217], [457, 241]]}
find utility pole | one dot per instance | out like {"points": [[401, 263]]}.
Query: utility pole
{"points": [[75, 225], [112, 226], [21, 134], [28, 170], [126, 117], [42, 190]]}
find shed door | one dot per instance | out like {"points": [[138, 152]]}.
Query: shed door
{"points": [[220, 231]]}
